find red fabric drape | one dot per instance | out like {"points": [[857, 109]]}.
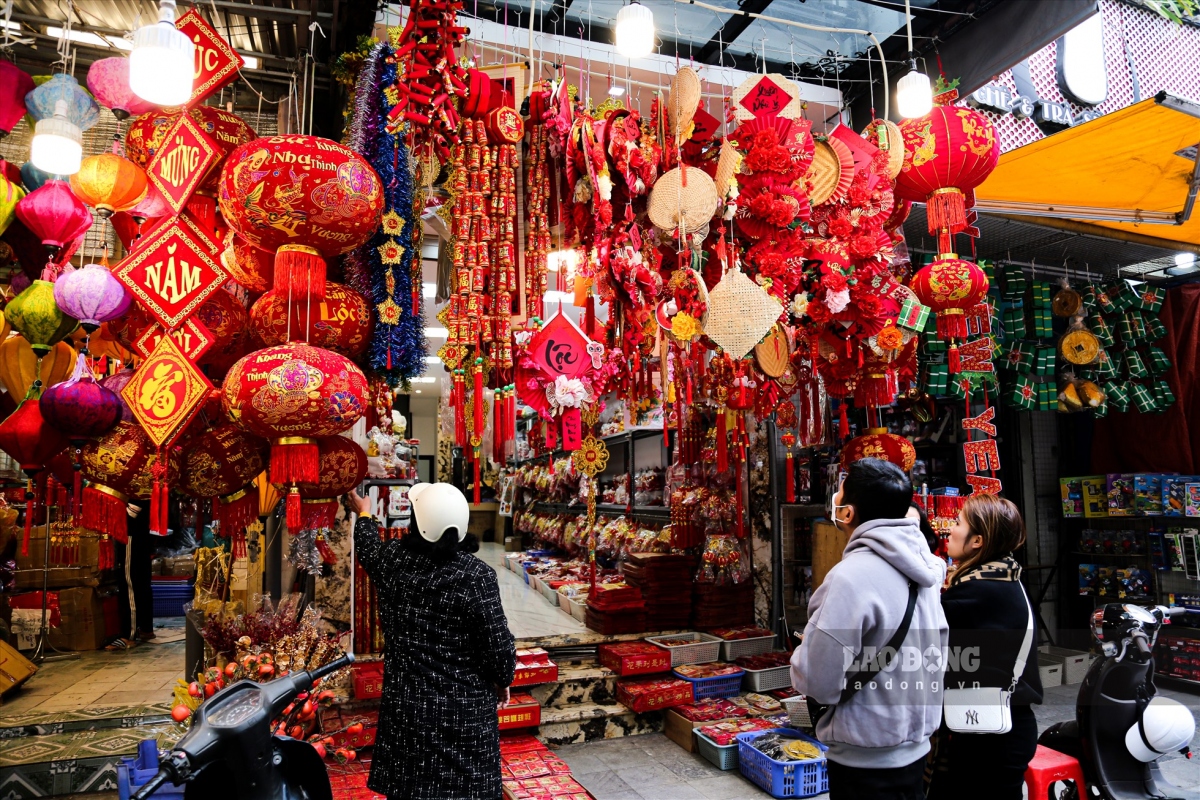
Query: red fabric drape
{"points": [[1167, 442]]}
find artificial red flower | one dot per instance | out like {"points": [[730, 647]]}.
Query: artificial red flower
{"points": [[835, 281], [863, 246], [840, 227]]}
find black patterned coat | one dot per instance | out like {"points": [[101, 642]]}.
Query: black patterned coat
{"points": [[448, 648]]}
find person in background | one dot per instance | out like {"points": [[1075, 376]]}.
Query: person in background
{"points": [[987, 608], [449, 656], [917, 513], [135, 598], [877, 730]]}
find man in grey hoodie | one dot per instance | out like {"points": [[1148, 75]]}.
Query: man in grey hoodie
{"points": [[877, 728]]}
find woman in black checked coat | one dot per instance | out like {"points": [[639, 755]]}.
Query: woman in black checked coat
{"points": [[449, 655]]}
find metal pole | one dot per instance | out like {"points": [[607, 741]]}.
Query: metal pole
{"points": [[778, 623], [39, 654]]}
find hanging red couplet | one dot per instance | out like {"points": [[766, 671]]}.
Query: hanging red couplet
{"points": [[181, 162], [560, 348], [172, 274], [193, 338], [216, 64], [766, 98], [165, 392], [572, 428]]}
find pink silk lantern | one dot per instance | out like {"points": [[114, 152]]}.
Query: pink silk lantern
{"points": [[14, 85], [54, 214], [108, 81], [92, 295]]}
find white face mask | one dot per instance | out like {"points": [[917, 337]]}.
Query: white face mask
{"points": [[837, 523]]}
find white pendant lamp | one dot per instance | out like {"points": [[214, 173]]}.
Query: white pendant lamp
{"points": [[635, 31], [160, 65], [914, 95], [57, 143]]}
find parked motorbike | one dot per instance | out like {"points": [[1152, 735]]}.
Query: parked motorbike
{"points": [[231, 751], [1122, 726]]}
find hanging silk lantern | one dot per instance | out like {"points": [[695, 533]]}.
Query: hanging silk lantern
{"points": [[292, 394], [115, 383], [250, 266], [343, 467], [226, 130], [15, 83], [304, 215], [35, 315], [227, 321], [950, 286], [341, 322], [947, 153], [79, 409], [31, 442], [118, 468], [878, 443], [130, 229], [103, 344], [91, 295], [33, 178], [10, 194], [54, 214], [81, 109], [108, 81], [20, 366], [108, 183]]}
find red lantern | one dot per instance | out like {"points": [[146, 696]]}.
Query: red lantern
{"points": [[54, 214], [947, 153], [220, 463], [291, 394], [250, 266], [227, 131], [15, 83], [32, 442], [118, 467], [343, 467], [341, 322], [950, 286], [305, 199], [878, 443], [226, 320]]}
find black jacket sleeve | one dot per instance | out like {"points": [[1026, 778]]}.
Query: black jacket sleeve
{"points": [[491, 638], [369, 547], [987, 622]]}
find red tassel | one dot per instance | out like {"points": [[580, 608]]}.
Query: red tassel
{"points": [[477, 432], [295, 519], [946, 209], [953, 361], [295, 459], [790, 477], [29, 511], [319, 514], [104, 512], [589, 318], [108, 557], [299, 272], [477, 487], [722, 442], [952, 324], [843, 421], [156, 500]]}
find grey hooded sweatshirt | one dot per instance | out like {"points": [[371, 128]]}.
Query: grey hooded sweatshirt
{"points": [[854, 613]]}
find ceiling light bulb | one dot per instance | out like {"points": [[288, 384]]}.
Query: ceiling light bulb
{"points": [[57, 143], [914, 95], [161, 68], [635, 31], [616, 91]]}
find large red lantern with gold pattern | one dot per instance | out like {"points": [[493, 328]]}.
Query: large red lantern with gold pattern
{"points": [[227, 320], [950, 285], [878, 443], [343, 467], [148, 132], [303, 198], [221, 463], [250, 266], [117, 467], [947, 153], [341, 322], [292, 394]]}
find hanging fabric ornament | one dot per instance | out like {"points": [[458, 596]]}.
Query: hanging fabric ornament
{"points": [[949, 285], [35, 315], [115, 383], [250, 266], [878, 443], [221, 463], [15, 83], [91, 294], [11, 193], [81, 109], [343, 467], [107, 182], [31, 442], [341, 322], [332, 206], [34, 178], [54, 214], [20, 366], [108, 81], [119, 466]]}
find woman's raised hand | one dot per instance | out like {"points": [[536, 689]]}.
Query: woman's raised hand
{"points": [[358, 504]]}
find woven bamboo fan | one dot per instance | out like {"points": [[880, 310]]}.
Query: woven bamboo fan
{"points": [[1079, 346], [728, 165], [831, 172], [683, 101], [772, 353], [793, 109], [886, 135], [675, 206], [740, 314]]}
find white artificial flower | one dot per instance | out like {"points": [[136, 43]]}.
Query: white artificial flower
{"points": [[837, 301]]}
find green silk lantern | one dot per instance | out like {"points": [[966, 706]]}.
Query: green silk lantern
{"points": [[36, 316]]}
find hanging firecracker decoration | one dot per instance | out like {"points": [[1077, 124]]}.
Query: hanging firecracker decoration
{"points": [[304, 217], [432, 75], [950, 286]]}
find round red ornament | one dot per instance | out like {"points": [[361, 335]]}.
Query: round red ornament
{"points": [[878, 443], [250, 266], [227, 321], [950, 286], [341, 322], [343, 467]]}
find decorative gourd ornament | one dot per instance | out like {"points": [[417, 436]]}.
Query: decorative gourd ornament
{"points": [[35, 315], [303, 198]]}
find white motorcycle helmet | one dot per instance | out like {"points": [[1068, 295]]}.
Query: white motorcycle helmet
{"points": [[1166, 726], [437, 507]]}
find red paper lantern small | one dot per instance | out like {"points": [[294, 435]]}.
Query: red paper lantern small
{"points": [[118, 467], [220, 463], [950, 286], [343, 467], [292, 394], [878, 443], [341, 322], [32, 442]]}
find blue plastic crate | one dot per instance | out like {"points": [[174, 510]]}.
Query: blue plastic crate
{"points": [[170, 597], [782, 778], [134, 773], [720, 687]]}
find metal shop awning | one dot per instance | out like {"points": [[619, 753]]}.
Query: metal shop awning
{"points": [[1135, 171]]}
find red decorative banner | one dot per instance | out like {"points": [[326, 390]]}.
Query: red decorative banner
{"points": [[172, 274], [704, 125], [180, 164], [192, 338], [981, 456], [766, 98], [976, 355], [560, 348], [165, 392], [216, 64], [981, 484], [982, 423]]}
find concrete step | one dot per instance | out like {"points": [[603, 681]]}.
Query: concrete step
{"points": [[577, 684], [588, 722]]}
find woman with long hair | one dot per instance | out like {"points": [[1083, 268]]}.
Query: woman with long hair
{"points": [[988, 612], [449, 656]]}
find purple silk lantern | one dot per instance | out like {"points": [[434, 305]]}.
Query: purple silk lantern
{"points": [[14, 85], [108, 81], [80, 408], [115, 383], [92, 295]]}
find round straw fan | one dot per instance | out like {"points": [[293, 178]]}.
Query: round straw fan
{"points": [[675, 206], [783, 97], [728, 165], [886, 135]]}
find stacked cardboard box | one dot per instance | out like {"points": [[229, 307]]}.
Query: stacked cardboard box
{"points": [[666, 584]]}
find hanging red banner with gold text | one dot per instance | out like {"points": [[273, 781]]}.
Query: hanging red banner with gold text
{"points": [[165, 392], [173, 273], [216, 63], [181, 162]]}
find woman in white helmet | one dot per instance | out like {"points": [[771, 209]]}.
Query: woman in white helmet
{"points": [[449, 655]]}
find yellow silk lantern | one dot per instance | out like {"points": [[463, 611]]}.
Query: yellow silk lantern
{"points": [[103, 343], [35, 315], [19, 365], [10, 194], [5, 326], [109, 183]]}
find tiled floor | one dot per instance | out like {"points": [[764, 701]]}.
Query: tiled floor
{"points": [[529, 615]]}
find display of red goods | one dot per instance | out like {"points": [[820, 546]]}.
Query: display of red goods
{"points": [[878, 443], [531, 764], [765, 660], [219, 461], [368, 679], [534, 667], [250, 266], [714, 670], [291, 394], [118, 468], [741, 632], [522, 711], [547, 787], [341, 322], [226, 130], [634, 658], [947, 153], [712, 708], [725, 733], [305, 199], [334, 720], [653, 694]]}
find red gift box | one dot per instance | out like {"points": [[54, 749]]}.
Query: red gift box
{"points": [[522, 712], [533, 667], [653, 694], [368, 679], [634, 658]]}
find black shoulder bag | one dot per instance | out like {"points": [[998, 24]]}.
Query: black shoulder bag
{"points": [[854, 682]]}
